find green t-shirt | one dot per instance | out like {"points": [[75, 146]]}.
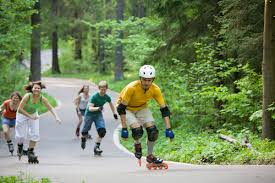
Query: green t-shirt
{"points": [[98, 101]]}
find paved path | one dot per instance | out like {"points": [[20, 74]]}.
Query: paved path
{"points": [[46, 60], [62, 159]]}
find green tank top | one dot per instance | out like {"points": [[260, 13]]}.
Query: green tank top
{"points": [[32, 107]]}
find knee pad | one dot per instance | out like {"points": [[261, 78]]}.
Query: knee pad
{"points": [[101, 132], [137, 133], [84, 134], [152, 133]]}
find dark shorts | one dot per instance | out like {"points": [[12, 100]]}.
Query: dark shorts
{"points": [[9, 122], [82, 111]]}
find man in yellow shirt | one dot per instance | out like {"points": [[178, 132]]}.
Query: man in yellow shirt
{"points": [[133, 110]]}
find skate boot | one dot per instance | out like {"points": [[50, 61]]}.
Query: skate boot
{"points": [[89, 136], [138, 151], [25, 152], [97, 150], [10, 145], [20, 151], [77, 131], [155, 163], [32, 158], [83, 142]]}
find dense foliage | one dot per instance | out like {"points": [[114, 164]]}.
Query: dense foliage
{"points": [[207, 54], [15, 31]]}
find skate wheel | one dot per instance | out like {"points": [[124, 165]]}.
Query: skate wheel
{"points": [[148, 166]]}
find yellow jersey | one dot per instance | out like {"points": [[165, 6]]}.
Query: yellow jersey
{"points": [[136, 98]]}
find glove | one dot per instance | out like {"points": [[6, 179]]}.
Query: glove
{"points": [[169, 133], [124, 133], [100, 108], [115, 116]]}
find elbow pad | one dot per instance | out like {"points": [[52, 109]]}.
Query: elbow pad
{"points": [[121, 109], [165, 112]]}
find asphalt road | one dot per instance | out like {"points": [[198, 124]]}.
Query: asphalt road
{"points": [[62, 159]]}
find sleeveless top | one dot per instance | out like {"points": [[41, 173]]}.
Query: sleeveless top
{"points": [[83, 102], [31, 107]]}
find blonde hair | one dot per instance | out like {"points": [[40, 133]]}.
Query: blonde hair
{"points": [[102, 84]]}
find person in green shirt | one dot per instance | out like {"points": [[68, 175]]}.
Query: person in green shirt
{"points": [[27, 119], [93, 113]]}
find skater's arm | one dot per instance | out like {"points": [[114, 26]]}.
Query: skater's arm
{"points": [[22, 104], [50, 108], [123, 121], [166, 115], [113, 110], [77, 101], [165, 112], [121, 109], [92, 107], [112, 107]]}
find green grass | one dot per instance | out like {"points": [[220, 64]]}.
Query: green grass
{"points": [[204, 147], [23, 179]]}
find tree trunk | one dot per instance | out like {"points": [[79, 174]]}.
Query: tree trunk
{"points": [[101, 54], [35, 72], [55, 63], [94, 46], [138, 8], [77, 32], [119, 47], [134, 8], [268, 69], [141, 8]]}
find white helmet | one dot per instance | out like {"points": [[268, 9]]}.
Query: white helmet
{"points": [[147, 71]]}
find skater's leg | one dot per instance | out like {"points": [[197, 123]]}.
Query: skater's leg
{"points": [[88, 121], [21, 129], [152, 136], [137, 132], [10, 146], [80, 120], [84, 132], [33, 133], [34, 136], [6, 125], [32, 144], [101, 132], [6, 131]]}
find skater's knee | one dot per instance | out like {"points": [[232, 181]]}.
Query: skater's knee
{"points": [[101, 132], [152, 133], [84, 134], [137, 133]]}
